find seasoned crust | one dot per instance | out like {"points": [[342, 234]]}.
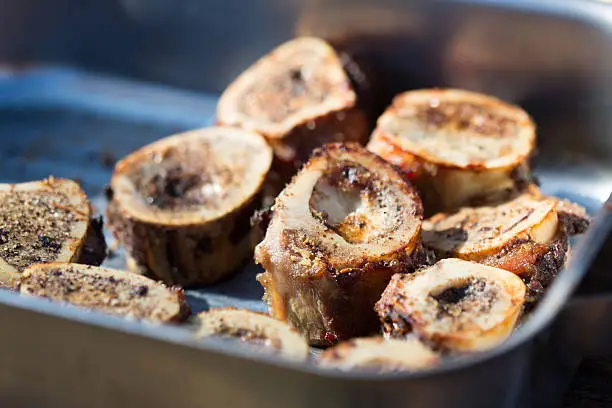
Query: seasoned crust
{"points": [[299, 97], [526, 236], [573, 216], [454, 305], [345, 224], [473, 233], [333, 306], [46, 221], [181, 206], [351, 241], [300, 80], [110, 291], [536, 263]]}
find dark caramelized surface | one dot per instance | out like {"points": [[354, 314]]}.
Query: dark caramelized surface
{"points": [[114, 292], [33, 226]]}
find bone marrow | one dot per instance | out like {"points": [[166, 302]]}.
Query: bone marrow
{"points": [[375, 354], [459, 147], [338, 231], [46, 221], [257, 329], [524, 236], [111, 291], [181, 206], [299, 97], [455, 305]]}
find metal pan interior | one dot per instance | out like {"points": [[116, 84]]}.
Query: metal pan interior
{"points": [[67, 123]]}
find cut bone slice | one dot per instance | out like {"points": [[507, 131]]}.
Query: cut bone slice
{"points": [[46, 221], [255, 328], [458, 146], [473, 233], [523, 236], [344, 225], [380, 355], [106, 290], [454, 304], [299, 97], [181, 206]]}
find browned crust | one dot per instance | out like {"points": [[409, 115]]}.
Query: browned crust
{"points": [[345, 121], [65, 282], [573, 217], [332, 298], [94, 249], [91, 248], [400, 317], [343, 302], [337, 149], [394, 323], [189, 255], [203, 241], [537, 264], [291, 151]]}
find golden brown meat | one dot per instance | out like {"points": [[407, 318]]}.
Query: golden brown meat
{"points": [[106, 290], [299, 97], [258, 329], [46, 221], [459, 147], [455, 305], [181, 206], [339, 230]]}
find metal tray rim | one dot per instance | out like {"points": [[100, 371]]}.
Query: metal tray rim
{"points": [[586, 249]]}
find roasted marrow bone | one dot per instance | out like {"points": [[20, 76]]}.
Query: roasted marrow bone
{"points": [[523, 236], [459, 147], [181, 206], [299, 97], [46, 221], [375, 354], [455, 305], [106, 290], [257, 329], [339, 230]]}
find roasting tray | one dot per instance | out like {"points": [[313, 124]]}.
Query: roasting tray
{"points": [[84, 83]]}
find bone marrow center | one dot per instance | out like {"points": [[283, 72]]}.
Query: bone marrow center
{"points": [[183, 178], [348, 201]]}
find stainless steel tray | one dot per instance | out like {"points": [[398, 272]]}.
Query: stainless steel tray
{"points": [[99, 79]]}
